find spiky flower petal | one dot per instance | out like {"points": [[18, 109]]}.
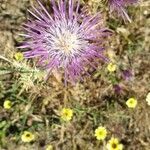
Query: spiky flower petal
{"points": [[64, 38], [119, 7]]}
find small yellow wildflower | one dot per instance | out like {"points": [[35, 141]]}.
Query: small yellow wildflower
{"points": [[148, 98], [27, 136], [113, 144], [7, 104], [19, 56], [111, 67], [49, 147], [100, 133], [131, 102], [66, 114]]}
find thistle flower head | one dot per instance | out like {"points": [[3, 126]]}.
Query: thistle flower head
{"points": [[64, 38], [119, 7]]}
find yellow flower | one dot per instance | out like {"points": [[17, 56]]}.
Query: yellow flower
{"points": [[66, 114], [19, 56], [131, 102], [113, 144], [7, 104], [49, 147], [111, 67], [27, 136], [100, 133], [148, 98]]}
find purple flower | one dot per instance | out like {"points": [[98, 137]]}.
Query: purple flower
{"points": [[119, 7], [64, 39], [117, 88], [127, 74]]}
